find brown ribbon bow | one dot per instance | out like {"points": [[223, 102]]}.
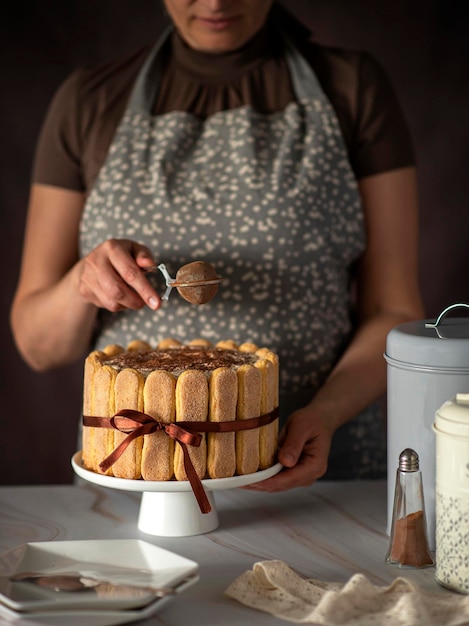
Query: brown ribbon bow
{"points": [[186, 433]]}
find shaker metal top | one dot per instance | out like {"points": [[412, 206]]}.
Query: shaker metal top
{"points": [[408, 461]]}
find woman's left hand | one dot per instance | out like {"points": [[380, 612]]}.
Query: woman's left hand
{"points": [[304, 450]]}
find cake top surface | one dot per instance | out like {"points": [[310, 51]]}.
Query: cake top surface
{"points": [[179, 359]]}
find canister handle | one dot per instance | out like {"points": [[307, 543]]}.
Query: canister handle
{"points": [[444, 312]]}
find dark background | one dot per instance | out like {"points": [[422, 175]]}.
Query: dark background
{"points": [[424, 46]]}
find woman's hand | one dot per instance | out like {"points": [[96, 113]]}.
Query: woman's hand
{"points": [[58, 295], [111, 276], [304, 449]]}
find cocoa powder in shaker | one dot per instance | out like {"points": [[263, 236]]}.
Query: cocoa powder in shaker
{"points": [[410, 545]]}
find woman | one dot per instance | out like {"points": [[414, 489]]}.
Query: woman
{"points": [[286, 165]]}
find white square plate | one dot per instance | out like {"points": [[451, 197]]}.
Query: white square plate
{"points": [[130, 562], [88, 617]]}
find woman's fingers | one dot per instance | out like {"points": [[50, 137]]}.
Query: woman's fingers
{"points": [[137, 290], [304, 451], [112, 276]]}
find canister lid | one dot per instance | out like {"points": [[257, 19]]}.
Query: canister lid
{"points": [[453, 416], [443, 343]]}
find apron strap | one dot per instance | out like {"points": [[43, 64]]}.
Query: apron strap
{"points": [[304, 81], [146, 85]]}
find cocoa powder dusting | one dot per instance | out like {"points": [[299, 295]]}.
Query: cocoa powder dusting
{"points": [[180, 359]]}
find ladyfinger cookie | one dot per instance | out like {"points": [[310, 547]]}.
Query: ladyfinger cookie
{"points": [[265, 353], [274, 426], [158, 448], [221, 451], [92, 362], [137, 345], [128, 393], [102, 405], [249, 405], [203, 343], [227, 344], [113, 349], [191, 405], [248, 347], [268, 433], [169, 342]]}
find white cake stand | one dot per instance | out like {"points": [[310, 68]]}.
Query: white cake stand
{"points": [[169, 508]]}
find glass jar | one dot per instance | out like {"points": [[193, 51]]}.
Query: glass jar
{"points": [[451, 427]]}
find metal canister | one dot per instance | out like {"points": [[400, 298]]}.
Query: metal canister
{"points": [[427, 363], [451, 427]]}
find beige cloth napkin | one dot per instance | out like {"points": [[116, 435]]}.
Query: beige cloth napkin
{"points": [[272, 586]]}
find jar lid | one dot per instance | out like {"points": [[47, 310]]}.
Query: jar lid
{"points": [[453, 416], [440, 343]]}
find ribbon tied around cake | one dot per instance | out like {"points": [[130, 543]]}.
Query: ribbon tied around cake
{"points": [[186, 433]]}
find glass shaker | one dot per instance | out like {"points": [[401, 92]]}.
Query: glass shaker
{"points": [[408, 546]]}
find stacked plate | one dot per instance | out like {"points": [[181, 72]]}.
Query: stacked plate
{"points": [[97, 583]]}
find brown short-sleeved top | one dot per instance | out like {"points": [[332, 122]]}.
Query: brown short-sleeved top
{"points": [[84, 114]]}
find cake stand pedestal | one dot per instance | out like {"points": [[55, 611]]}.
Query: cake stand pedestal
{"points": [[175, 514], [169, 508]]}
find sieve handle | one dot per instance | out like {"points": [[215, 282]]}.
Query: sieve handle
{"points": [[444, 312]]}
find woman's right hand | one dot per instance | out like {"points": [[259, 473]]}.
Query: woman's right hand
{"points": [[53, 315], [111, 276]]}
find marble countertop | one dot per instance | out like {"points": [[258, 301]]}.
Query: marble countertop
{"points": [[330, 531]]}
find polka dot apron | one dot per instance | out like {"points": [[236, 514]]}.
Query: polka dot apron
{"points": [[270, 200]]}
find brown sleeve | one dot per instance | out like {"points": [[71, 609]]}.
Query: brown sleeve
{"points": [[57, 159], [381, 139], [81, 121], [373, 126]]}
